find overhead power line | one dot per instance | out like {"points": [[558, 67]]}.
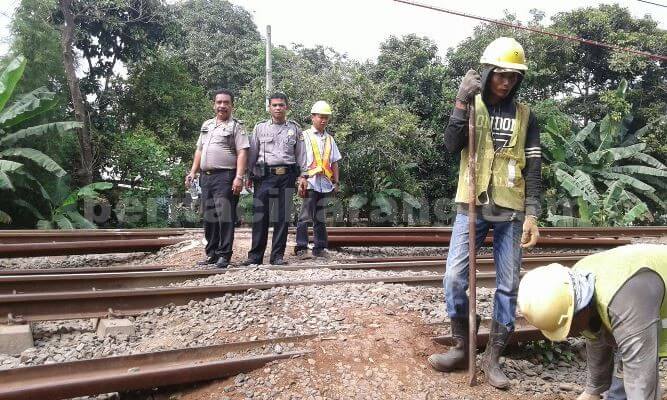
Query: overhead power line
{"points": [[658, 57], [650, 2]]}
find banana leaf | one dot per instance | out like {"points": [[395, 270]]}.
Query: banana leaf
{"points": [[9, 78]]}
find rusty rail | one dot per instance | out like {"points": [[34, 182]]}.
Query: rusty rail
{"points": [[139, 371], [92, 304], [443, 240], [53, 283], [590, 232], [85, 247], [524, 332], [25, 237], [86, 270]]}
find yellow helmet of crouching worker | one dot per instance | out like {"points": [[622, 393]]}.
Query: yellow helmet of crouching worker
{"points": [[505, 53], [546, 300], [321, 107]]}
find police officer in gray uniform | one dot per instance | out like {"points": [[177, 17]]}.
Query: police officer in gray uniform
{"points": [[221, 155], [274, 167]]}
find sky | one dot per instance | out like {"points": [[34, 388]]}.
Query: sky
{"points": [[357, 27]]}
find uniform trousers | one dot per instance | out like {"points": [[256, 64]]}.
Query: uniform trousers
{"points": [[272, 192], [219, 205], [634, 314], [313, 210]]}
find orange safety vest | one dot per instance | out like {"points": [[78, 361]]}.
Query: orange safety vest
{"points": [[320, 164]]}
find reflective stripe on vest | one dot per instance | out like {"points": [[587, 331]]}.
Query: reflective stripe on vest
{"points": [[320, 164], [612, 268], [498, 171]]}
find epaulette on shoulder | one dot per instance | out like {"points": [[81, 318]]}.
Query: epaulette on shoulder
{"points": [[239, 121], [295, 123]]}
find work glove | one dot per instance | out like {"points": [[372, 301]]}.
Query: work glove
{"points": [[530, 232], [469, 87], [587, 396]]}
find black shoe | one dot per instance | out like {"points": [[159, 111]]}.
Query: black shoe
{"points": [[208, 261], [498, 338], [457, 356], [278, 261], [321, 253], [301, 254], [250, 262], [222, 263]]}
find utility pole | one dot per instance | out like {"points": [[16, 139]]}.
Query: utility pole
{"points": [[269, 75]]}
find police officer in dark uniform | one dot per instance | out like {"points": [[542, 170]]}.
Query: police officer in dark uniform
{"points": [[273, 167], [221, 155]]}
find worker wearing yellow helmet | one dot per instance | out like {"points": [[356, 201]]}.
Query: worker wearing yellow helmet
{"points": [[508, 190], [319, 179], [616, 299]]}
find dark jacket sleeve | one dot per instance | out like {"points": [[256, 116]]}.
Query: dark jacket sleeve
{"points": [[532, 172], [456, 133]]}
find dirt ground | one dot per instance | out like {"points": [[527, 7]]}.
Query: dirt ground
{"points": [[384, 360]]}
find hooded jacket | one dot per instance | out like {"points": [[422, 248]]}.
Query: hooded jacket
{"points": [[456, 138]]}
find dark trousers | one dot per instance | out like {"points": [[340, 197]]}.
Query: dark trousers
{"points": [[219, 206], [271, 192], [313, 210]]}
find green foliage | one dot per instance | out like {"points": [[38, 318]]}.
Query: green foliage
{"points": [[20, 166], [220, 43], [139, 160], [580, 166], [64, 211], [548, 352], [162, 97]]}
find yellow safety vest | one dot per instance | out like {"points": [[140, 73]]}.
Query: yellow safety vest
{"points": [[612, 268], [498, 171], [320, 164]]}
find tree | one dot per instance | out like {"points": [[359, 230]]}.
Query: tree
{"points": [[107, 33], [18, 177], [161, 96], [413, 76], [220, 43]]}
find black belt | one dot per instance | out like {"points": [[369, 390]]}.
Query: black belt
{"points": [[218, 171], [281, 169]]}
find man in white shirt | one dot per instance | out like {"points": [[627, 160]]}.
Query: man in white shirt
{"points": [[319, 178]]}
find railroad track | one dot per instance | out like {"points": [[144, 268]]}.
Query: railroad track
{"points": [[149, 277], [85, 247], [523, 332], [138, 371], [81, 235]]}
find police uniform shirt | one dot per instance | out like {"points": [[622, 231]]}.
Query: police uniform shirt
{"points": [[319, 182], [274, 144], [220, 142]]}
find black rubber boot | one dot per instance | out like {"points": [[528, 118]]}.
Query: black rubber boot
{"points": [[457, 356], [490, 363]]}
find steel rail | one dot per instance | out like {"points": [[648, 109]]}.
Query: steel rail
{"points": [[138, 371], [444, 257], [54, 283], [85, 247], [609, 232], [95, 304], [443, 240], [524, 332], [87, 270], [77, 236]]}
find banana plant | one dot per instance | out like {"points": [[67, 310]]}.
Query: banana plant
{"points": [[602, 158], [16, 133]]}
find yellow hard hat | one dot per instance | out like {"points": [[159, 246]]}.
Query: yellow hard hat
{"points": [[546, 299], [321, 107], [505, 53]]}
